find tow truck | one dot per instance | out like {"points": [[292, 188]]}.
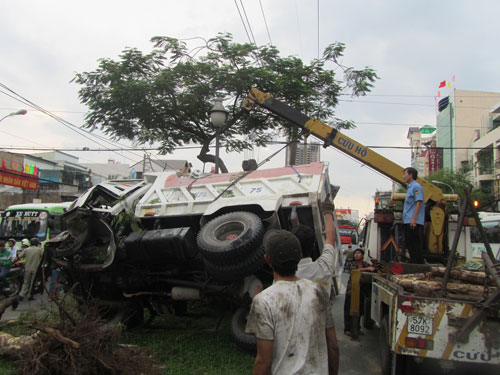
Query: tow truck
{"points": [[444, 325]]}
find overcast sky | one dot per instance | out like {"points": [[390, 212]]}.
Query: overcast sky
{"points": [[413, 45]]}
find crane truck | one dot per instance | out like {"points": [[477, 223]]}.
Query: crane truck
{"points": [[421, 316]]}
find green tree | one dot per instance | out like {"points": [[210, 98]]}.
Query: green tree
{"points": [[165, 96], [458, 181]]}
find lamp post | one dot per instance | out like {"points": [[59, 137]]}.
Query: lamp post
{"points": [[17, 113], [218, 117], [443, 183]]}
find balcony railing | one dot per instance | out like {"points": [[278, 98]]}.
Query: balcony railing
{"points": [[485, 170]]}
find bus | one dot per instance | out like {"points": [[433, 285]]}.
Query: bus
{"points": [[40, 220], [491, 225]]}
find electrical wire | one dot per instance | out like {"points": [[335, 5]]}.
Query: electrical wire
{"points": [[318, 25], [265, 22], [66, 123], [221, 146], [243, 22], [248, 22]]}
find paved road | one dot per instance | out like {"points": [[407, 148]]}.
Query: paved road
{"points": [[25, 305], [356, 357]]}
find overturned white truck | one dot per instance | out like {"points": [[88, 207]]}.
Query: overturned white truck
{"points": [[141, 244]]}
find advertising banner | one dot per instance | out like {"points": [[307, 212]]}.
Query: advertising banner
{"points": [[18, 179]]}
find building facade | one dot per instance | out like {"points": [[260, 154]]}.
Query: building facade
{"points": [[305, 153], [484, 153], [463, 117]]}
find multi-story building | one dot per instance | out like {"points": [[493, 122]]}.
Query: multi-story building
{"points": [[425, 156], [462, 118], [305, 153], [484, 154], [111, 170]]}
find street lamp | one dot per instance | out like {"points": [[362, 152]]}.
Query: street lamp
{"points": [[218, 116], [443, 183], [17, 113]]}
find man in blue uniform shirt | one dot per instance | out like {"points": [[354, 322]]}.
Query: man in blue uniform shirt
{"points": [[414, 215]]}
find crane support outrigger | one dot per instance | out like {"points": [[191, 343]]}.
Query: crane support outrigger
{"points": [[433, 196]]}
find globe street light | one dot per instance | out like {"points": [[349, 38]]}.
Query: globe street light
{"points": [[218, 117], [17, 113]]}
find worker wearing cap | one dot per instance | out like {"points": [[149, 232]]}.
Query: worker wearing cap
{"points": [[292, 319], [33, 255]]}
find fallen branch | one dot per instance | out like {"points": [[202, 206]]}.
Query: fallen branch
{"points": [[56, 333], [11, 301]]}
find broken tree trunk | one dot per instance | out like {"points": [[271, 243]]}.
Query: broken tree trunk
{"points": [[476, 277], [14, 347], [429, 287]]}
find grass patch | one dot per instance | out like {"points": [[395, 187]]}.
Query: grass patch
{"points": [[192, 345], [182, 345], [8, 367]]}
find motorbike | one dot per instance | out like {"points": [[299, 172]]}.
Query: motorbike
{"points": [[14, 282]]}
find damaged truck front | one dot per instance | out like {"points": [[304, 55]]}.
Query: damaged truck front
{"points": [[136, 244]]}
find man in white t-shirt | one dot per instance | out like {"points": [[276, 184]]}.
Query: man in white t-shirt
{"points": [[322, 270], [291, 319]]}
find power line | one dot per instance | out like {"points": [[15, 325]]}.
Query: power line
{"points": [[222, 146], [265, 22], [66, 123], [411, 104], [248, 22], [58, 119], [318, 25], [243, 22], [342, 94]]}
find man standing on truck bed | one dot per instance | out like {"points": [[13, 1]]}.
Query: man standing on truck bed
{"points": [[292, 319], [414, 216]]}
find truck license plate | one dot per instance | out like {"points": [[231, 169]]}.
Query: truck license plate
{"points": [[420, 324]]}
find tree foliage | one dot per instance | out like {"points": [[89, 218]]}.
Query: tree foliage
{"points": [[165, 96], [458, 181]]}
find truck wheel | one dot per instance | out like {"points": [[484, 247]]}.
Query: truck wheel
{"points": [[249, 265], [392, 363], [385, 350], [231, 236], [368, 322], [245, 341]]}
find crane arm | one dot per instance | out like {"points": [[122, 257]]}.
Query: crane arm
{"points": [[332, 137]]}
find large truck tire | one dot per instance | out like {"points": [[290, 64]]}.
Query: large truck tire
{"points": [[392, 363], [230, 237], [368, 322], [237, 270], [244, 341]]}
